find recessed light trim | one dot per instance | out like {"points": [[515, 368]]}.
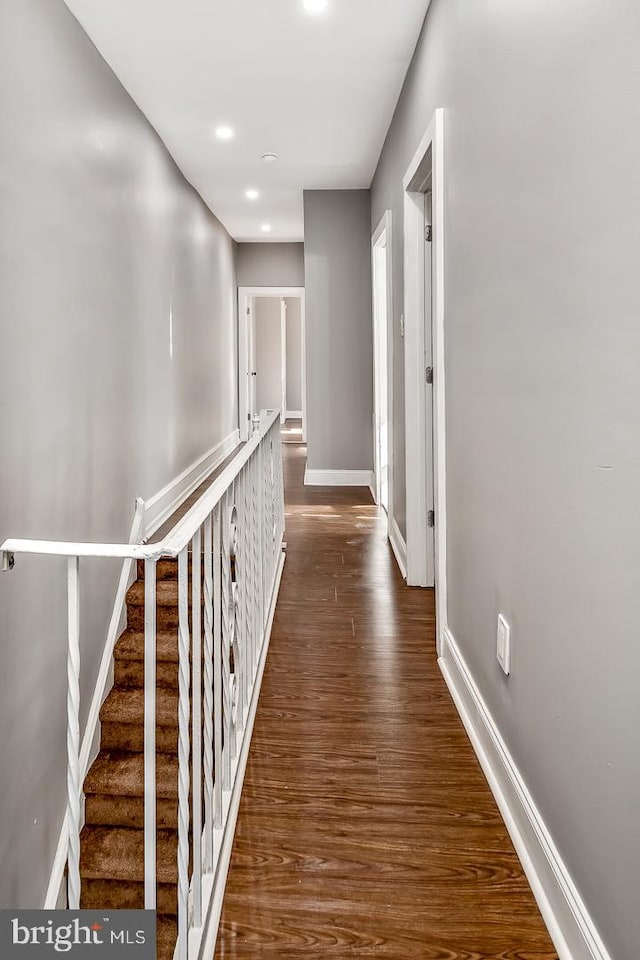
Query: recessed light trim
{"points": [[266, 228], [252, 193], [269, 157], [315, 6], [225, 132]]}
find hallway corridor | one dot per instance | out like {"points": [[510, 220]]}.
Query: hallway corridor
{"points": [[366, 827]]}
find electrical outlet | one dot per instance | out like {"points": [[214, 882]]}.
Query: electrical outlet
{"points": [[504, 644]]}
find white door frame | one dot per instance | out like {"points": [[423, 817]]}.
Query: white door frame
{"points": [[244, 372], [384, 230], [283, 360], [428, 158]]}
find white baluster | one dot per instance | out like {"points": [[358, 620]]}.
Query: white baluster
{"points": [[73, 731], [257, 558], [217, 670], [150, 735], [196, 644], [227, 638], [183, 753], [241, 647], [245, 589], [208, 693]]}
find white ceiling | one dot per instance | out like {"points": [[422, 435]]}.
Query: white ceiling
{"points": [[319, 91]]}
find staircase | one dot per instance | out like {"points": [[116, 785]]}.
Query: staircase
{"points": [[112, 841], [236, 524]]}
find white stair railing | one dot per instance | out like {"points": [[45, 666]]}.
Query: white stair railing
{"points": [[234, 536]]}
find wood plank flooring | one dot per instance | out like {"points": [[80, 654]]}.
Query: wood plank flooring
{"points": [[366, 826]]}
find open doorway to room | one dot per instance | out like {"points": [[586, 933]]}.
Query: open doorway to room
{"points": [[271, 356], [381, 261]]}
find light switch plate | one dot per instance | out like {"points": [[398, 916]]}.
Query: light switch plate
{"points": [[504, 644]]}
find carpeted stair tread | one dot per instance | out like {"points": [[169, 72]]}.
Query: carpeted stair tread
{"points": [[126, 706], [166, 593], [166, 569], [130, 645], [114, 853], [167, 936], [118, 895], [109, 810], [130, 737], [122, 774], [130, 673]]}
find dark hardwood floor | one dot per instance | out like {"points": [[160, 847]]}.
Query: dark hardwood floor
{"points": [[366, 826]]}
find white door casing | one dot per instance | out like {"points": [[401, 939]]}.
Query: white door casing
{"points": [[246, 353], [382, 264], [426, 169]]}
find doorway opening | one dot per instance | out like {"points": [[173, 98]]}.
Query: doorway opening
{"points": [[423, 186], [271, 356], [381, 262]]}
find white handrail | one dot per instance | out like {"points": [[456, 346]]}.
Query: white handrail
{"points": [[174, 541], [237, 527]]}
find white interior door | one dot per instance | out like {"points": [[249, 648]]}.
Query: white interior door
{"points": [[428, 363], [253, 373]]}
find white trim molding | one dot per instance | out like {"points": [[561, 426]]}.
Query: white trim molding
{"points": [[398, 546], [293, 415], [162, 504], [572, 930], [338, 478]]}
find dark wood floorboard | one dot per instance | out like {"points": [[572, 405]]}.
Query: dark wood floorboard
{"points": [[366, 826]]}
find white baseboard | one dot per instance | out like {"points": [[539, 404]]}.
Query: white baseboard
{"points": [[293, 415], [162, 504], [398, 546], [338, 478], [571, 928]]}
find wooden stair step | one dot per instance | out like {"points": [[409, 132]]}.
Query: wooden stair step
{"points": [[115, 853]]}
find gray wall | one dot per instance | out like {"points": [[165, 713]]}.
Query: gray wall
{"points": [[294, 353], [270, 264], [339, 337], [101, 243], [542, 235], [267, 312]]}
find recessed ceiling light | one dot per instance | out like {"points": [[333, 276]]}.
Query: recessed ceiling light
{"points": [[269, 157], [315, 6], [266, 228], [224, 133], [251, 194]]}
